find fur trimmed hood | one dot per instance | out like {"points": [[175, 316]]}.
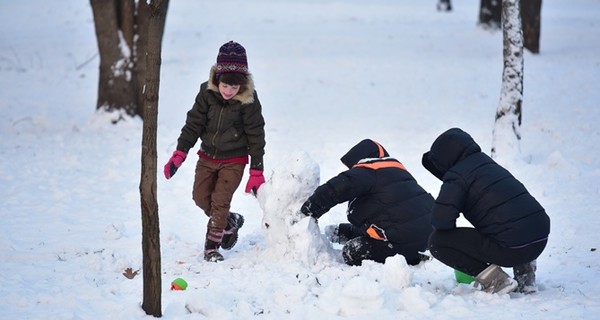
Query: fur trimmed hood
{"points": [[245, 97]]}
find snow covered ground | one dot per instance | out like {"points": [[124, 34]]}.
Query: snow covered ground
{"points": [[329, 74]]}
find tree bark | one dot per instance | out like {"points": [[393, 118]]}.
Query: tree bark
{"points": [[490, 16], [121, 32], [507, 124], [116, 91], [149, 205], [490, 13], [141, 46], [531, 19]]}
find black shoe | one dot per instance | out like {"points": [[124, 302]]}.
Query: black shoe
{"points": [[230, 237], [213, 256], [525, 276]]}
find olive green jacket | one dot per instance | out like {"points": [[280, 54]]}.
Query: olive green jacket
{"points": [[226, 128]]}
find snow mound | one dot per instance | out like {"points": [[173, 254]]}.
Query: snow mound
{"points": [[288, 233]]}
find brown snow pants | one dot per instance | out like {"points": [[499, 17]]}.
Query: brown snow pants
{"points": [[214, 185]]}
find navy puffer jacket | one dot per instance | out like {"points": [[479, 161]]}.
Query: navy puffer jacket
{"points": [[489, 197], [379, 191]]}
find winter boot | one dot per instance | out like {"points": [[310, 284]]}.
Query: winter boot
{"points": [[341, 233], [525, 276], [230, 237], [494, 280], [211, 246], [331, 233]]}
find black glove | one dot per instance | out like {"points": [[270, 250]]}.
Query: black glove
{"points": [[305, 209]]}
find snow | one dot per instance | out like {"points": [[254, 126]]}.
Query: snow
{"points": [[329, 74]]}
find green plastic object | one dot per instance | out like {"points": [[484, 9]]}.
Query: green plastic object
{"points": [[179, 284], [462, 277]]}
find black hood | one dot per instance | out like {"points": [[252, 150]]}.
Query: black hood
{"points": [[447, 150], [365, 149]]}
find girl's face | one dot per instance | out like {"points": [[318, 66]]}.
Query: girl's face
{"points": [[228, 91]]}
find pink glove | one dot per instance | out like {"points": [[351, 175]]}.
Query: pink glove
{"points": [[255, 181], [174, 163]]}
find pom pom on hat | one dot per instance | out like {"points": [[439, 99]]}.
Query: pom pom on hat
{"points": [[232, 58]]}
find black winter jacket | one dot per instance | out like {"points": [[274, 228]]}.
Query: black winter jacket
{"points": [[379, 191], [227, 128], [490, 198]]}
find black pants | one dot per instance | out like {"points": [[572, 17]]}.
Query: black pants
{"points": [[469, 251], [361, 247]]}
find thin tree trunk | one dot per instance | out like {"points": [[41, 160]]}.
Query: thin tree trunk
{"points": [[149, 205], [141, 47], [507, 125]]}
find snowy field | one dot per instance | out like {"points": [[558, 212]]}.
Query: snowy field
{"points": [[328, 74]]}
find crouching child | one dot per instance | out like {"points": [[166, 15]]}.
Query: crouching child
{"points": [[388, 212], [510, 227]]}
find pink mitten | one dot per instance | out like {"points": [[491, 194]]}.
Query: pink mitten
{"points": [[174, 163], [255, 181]]}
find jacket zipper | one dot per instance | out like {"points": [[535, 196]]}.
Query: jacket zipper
{"points": [[217, 132]]}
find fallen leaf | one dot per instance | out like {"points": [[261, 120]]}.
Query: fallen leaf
{"points": [[130, 274]]}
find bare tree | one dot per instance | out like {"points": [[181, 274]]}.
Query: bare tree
{"points": [[490, 16], [149, 205], [121, 32], [507, 124]]}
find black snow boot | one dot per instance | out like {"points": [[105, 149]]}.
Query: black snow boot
{"points": [[525, 276], [211, 245], [341, 233], [230, 237]]}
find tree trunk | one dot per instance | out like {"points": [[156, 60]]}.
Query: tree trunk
{"points": [[490, 13], [531, 17], [141, 47], [490, 16], [149, 205], [507, 124], [121, 32], [116, 91]]}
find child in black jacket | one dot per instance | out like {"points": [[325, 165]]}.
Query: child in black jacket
{"points": [[510, 227], [388, 211]]}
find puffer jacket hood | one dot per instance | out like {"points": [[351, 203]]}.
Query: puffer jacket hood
{"points": [[366, 149], [245, 97], [447, 150]]}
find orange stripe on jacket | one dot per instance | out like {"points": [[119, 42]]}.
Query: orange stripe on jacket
{"points": [[380, 147], [381, 165], [372, 232]]}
